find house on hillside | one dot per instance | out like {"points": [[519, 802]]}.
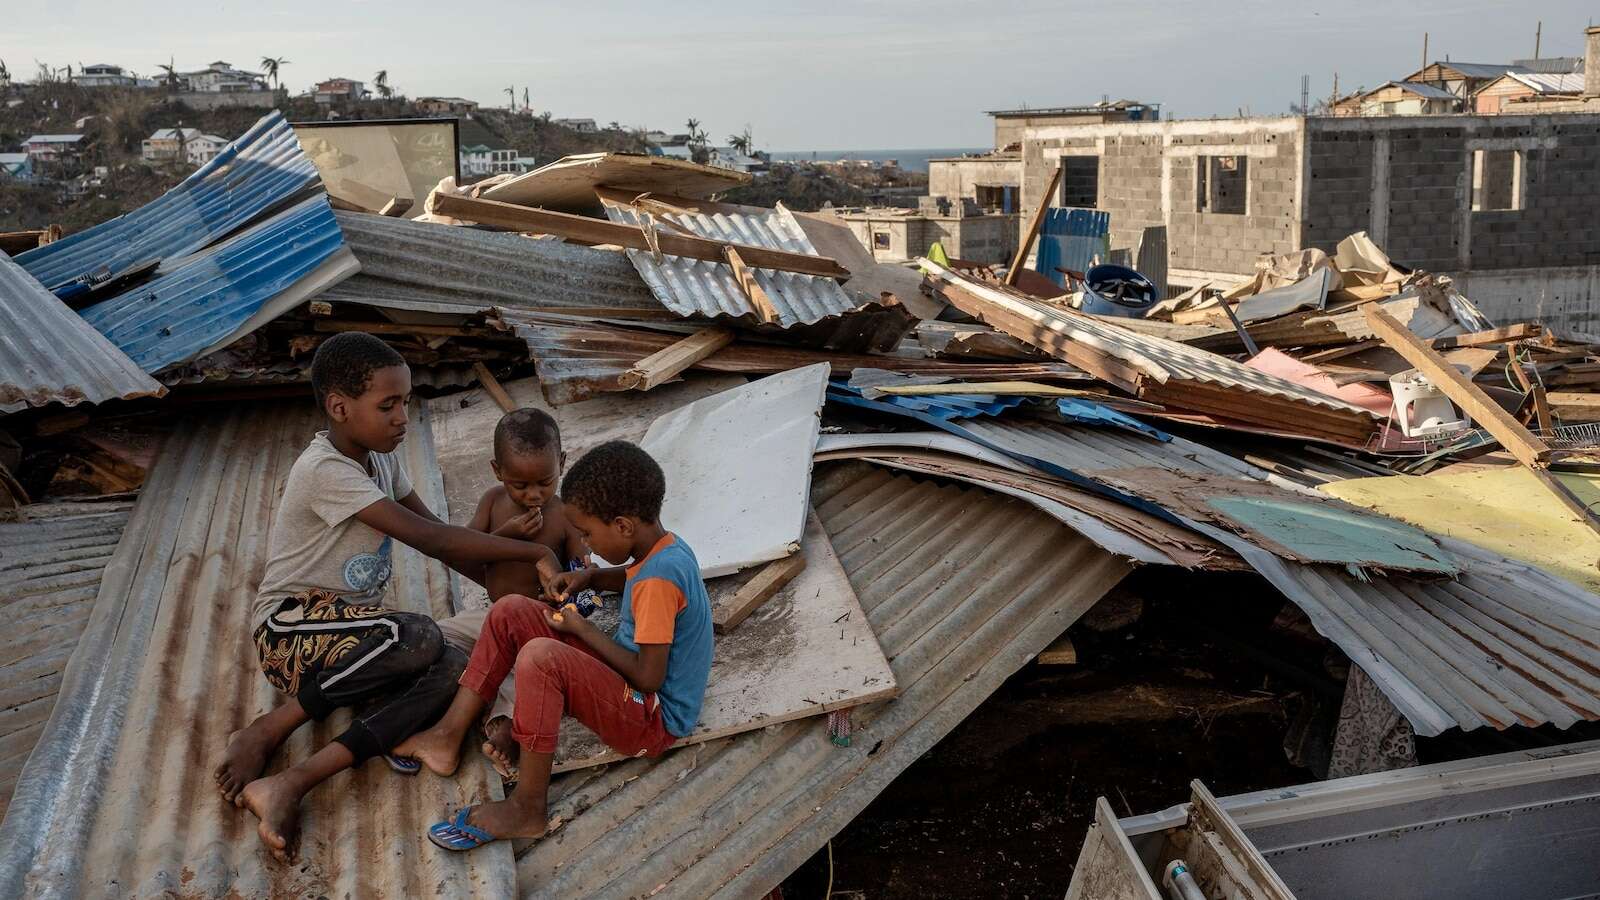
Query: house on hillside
{"points": [[731, 158], [339, 90], [107, 75], [1505, 93], [222, 78], [445, 106], [481, 161], [585, 126], [1407, 98], [53, 148], [16, 166]]}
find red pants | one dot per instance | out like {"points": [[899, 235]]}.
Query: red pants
{"points": [[558, 673]]}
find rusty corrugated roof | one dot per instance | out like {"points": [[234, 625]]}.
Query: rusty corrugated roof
{"points": [[118, 799], [50, 566], [49, 354]]}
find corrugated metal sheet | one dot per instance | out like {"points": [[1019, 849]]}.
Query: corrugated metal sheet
{"points": [[118, 800], [203, 302], [1156, 358], [50, 567], [261, 170], [698, 287], [1551, 82], [1071, 238], [48, 354], [732, 818], [441, 268], [577, 358], [1503, 644]]}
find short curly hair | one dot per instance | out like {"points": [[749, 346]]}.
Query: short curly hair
{"points": [[346, 361], [615, 479], [526, 430]]}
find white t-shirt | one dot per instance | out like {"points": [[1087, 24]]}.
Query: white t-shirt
{"points": [[316, 542]]}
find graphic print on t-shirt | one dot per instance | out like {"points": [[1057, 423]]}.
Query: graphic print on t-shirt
{"points": [[369, 572]]}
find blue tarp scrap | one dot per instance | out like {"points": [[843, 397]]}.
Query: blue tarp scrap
{"points": [[954, 407], [1089, 412]]}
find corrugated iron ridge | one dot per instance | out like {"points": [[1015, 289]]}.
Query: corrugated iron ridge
{"points": [[260, 170], [1504, 644], [1159, 358], [50, 569], [49, 354], [454, 269], [733, 818], [701, 287], [167, 670], [204, 298]]}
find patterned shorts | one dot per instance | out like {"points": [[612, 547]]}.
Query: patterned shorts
{"points": [[287, 655]]}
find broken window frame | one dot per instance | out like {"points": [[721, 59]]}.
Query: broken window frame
{"points": [[1065, 194], [882, 240]]}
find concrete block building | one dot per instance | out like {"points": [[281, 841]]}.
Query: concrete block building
{"points": [[1503, 203]]}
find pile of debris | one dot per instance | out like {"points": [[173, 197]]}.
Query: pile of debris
{"points": [[989, 462]]}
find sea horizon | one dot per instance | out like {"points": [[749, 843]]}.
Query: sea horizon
{"points": [[911, 159]]}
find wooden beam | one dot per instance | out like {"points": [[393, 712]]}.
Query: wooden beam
{"points": [[1575, 406], [1033, 226], [337, 325], [1060, 653], [589, 230], [759, 301], [757, 591], [491, 386], [1505, 335], [397, 206], [1518, 441], [664, 365]]}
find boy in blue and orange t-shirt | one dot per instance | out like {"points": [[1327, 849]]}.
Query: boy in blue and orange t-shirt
{"points": [[639, 692]]}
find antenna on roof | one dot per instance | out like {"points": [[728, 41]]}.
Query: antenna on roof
{"points": [[1538, 31], [1424, 50]]}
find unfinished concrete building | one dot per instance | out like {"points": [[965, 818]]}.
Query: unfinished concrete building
{"points": [[1505, 203], [964, 230]]}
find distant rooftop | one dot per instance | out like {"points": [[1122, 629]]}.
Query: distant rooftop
{"points": [[1552, 65], [1551, 83], [1473, 70]]}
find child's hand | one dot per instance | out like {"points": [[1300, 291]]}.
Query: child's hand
{"points": [[564, 620], [525, 527], [565, 584], [549, 571]]}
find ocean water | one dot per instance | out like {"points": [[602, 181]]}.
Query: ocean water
{"points": [[910, 160]]}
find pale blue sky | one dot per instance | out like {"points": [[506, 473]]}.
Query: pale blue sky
{"points": [[860, 75]]}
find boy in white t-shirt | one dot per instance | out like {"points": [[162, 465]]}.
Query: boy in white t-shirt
{"points": [[320, 632]]}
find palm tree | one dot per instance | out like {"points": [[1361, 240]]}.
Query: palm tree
{"points": [[526, 106], [741, 142], [171, 68], [270, 67], [696, 136], [381, 82], [511, 92], [5, 75]]}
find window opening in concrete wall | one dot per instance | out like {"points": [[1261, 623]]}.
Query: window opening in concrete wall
{"points": [[1080, 181], [1497, 180], [1222, 185], [880, 240], [994, 197]]}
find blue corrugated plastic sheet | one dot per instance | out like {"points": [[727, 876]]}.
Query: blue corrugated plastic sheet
{"points": [[195, 302], [946, 407], [1071, 238], [251, 176], [1089, 412]]}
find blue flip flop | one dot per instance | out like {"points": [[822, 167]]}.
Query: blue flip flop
{"points": [[457, 835], [405, 765]]}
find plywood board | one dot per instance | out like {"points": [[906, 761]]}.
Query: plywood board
{"points": [[807, 651], [569, 183]]}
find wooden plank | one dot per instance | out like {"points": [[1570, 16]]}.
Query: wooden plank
{"points": [[808, 651], [1059, 653], [727, 615], [1504, 335], [1535, 396], [589, 230], [665, 365], [337, 325], [491, 386], [397, 206], [1033, 226], [759, 301], [1518, 441], [1578, 407]]}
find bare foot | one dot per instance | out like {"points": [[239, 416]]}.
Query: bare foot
{"points": [[500, 748], [277, 804], [510, 819], [434, 748], [243, 761]]}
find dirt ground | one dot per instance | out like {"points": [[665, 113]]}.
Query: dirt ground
{"points": [[999, 808]]}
